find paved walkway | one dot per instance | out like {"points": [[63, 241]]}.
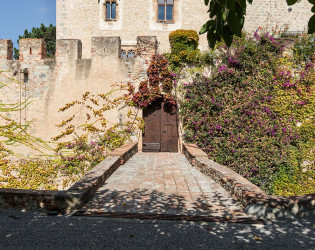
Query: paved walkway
{"points": [[163, 183]]}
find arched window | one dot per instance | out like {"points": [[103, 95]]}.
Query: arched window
{"points": [[131, 53], [127, 53], [165, 10], [123, 54]]}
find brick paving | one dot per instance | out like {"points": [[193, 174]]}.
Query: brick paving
{"points": [[163, 183]]}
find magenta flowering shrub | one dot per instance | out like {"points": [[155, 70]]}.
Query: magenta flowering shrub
{"points": [[236, 127], [268, 43], [232, 115], [84, 154]]}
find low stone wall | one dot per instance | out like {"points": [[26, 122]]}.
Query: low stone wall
{"points": [[77, 195], [254, 199]]}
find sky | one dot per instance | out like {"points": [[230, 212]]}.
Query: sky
{"points": [[18, 15]]}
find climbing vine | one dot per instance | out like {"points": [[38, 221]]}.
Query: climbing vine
{"points": [[88, 139], [12, 132], [160, 84]]}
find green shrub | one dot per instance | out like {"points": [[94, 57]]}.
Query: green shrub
{"points": [[245, 115], [37, 174], [304, 48], [296, 181], [182, 40], [184, 50]]}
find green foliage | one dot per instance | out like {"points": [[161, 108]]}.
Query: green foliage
{"points": [[194, 57], [184, 50], [49, 174], [297, 181], [294, 92], [26, 174], [82, 144], [47, 33], [245, 115], [160, 84], [227, 20], [12, 133], [183, 40], [87, 142], [80, 154], [304, 48]]}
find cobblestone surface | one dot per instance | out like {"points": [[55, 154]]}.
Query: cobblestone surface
{"points": [[163, 183]]}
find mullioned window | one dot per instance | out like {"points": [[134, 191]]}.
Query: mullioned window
{"points": [[111, 7], [165, 10]]}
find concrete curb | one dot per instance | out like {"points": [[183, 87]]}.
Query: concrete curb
{"points": [[176, 217], [77, 195], [254, 199]]}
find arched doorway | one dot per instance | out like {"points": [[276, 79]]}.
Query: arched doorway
{"points": [[161, 127]]}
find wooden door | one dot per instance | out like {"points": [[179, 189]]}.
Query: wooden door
{"points": [[152, 128], [160, 133], [169, 134]]}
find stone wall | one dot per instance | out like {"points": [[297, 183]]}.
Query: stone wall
{"points": [[89, 59], [277, 12], [255, 201], [76, 196], [83, 19], [50, 83]]}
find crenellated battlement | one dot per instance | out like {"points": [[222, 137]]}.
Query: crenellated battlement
{"points": [[69, 49], [34, 50], [6, 50], [50, 83], [106, 46]]}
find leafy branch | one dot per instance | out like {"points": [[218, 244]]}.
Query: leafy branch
{"points": [[12, 133], [227, 19], [94, 124]]}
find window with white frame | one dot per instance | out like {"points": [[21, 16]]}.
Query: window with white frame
{"points": [[165, 10], [110, 6]]}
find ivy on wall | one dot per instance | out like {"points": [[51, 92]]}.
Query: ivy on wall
{"points": [[160, 84]]}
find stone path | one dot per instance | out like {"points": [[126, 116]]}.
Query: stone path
{"points": [[162, 183]]}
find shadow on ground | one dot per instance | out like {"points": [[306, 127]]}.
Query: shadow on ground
{"points": [[32, 230], [160, 205]]}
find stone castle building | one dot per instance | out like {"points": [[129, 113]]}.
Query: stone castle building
{"points": [[84, 19], [102, 42]]}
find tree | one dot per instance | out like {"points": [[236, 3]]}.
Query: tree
{"points": [[227, 19], [48, 33]]}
